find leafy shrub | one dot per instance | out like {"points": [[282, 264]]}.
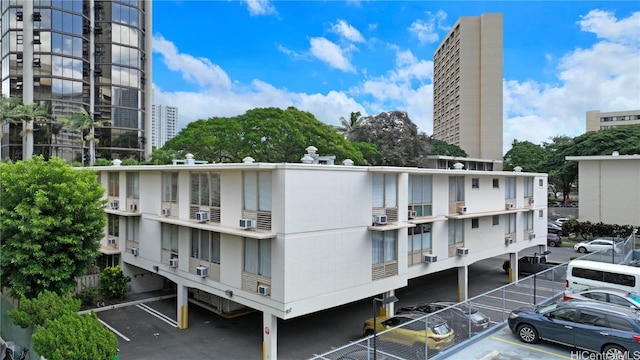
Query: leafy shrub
{"points": [[87, 296], [42, 309], [113, 283]]}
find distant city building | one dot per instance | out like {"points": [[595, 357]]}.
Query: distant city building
{"points": [[597, 120], [467, 86], [69, 55], [164, 122]]}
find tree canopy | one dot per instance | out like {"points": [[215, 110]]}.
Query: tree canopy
{"points": [[529, 156], [51, 219], [440, 147], [265, 134], [46, 307]]}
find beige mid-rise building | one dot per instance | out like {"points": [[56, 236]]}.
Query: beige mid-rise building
{"points": [[467, 86], [597, 120]]}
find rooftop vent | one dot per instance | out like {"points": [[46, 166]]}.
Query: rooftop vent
{"points": [[307, 159], [311, 157], [248, 160], [517, 169], [615, 153], [311, 150], [347, 162], [117, 162], [458, 166], [189, 160]]}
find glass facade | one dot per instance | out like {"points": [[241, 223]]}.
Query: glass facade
{"points": [[86, 54]]}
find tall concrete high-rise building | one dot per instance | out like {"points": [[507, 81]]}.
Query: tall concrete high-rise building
{"points": [[164, 124], [467, 86], [68, 55]]}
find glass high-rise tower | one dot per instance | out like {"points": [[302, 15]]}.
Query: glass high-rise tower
{"points": [[72, 54]]}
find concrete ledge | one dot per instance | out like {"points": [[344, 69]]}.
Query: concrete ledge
{"points": [[125, 304]]}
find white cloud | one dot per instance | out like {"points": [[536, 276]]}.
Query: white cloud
{"points": [[606, 26], [347, 31], [260, 7], [331, 54], [427, 30]]}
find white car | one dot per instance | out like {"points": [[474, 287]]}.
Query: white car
{"points": [[604, 245], [561, 221]]}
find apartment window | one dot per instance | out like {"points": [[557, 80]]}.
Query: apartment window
{"points": [[496, 219], [133, 229], [170, 237], [496, 183], [384, 246], [510, 188], [510, 223], [475, 223], [528, 187], [540, 214], [133, 185], [257, 256], [257, 191], [170, 187], [528, 220], [419, 238], [540, 183], [420, 194], [475, 183], [456, 188], [113, 225], [205, 245], [456, 231], [114, 184], [384, 190], [205, 189]]}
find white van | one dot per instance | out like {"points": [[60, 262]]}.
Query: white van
{"points": [[584, 274]]}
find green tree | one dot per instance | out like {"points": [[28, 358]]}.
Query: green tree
{"points": [[349, 126], [14, 110], [529, 156], [396, 138], [440, 147], [51, 219], [562, 173], [41, 310], [266, 134], [113, 283], [75, 337], [623, 139], [82, 121]]}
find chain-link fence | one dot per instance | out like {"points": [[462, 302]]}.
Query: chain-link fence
{"points": [[420, 338]]}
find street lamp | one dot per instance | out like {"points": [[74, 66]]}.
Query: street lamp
{"points": [[535, 275], [382, 302]]}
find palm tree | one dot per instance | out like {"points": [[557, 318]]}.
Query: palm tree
{"points": [[29, 113], [349, 126], [82, 121]]}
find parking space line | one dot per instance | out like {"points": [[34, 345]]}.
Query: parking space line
{"points": [[533, 348], [158, 314], [114, 330]]}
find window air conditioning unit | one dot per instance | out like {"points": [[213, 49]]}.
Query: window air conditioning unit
{"points": [[380, 219], [508, 240], [509, 206], [133, 207], [413, 214], [202, 216], [247, 223], [115, 204], [134, 251], [430, 259], [462, 251], [264, 290], [111, 241], [531, 202], [202, 271], [166, 211], [173, 263], [462, 209], [532, 236]]}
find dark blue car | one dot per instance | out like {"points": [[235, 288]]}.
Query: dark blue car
{"points": [[611, 330]]}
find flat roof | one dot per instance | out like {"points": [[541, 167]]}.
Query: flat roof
{"points": [[603, 157]]}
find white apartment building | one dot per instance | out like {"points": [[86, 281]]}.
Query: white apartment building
{"points": [[164, 124], [290, 239], [597, 120], [467, 86], [609, 190]]}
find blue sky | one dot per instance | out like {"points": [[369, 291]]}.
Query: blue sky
{"points": [[561, 59]]}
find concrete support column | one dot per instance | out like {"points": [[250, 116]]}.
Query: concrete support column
{"points": [[513, 271], [463, 283], [27, 76], [269, 336], [182, 297]]}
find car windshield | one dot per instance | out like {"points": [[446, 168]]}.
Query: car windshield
{"points": [[635, 299], [441, 329], [546, 309], [477, 316]]}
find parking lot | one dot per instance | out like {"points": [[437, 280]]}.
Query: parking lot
{"points": [[149, 332]]}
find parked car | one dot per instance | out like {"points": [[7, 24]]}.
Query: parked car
{"points": [[609, 295], [412, 333], [553, 228], [561, 221], [604, 245], [553, 240], [463, 319], [603, 328]]}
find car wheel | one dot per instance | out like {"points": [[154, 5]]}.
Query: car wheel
{"points": [[582, 249], [614, 352], [528, 333], [368, 332], [552, 243], [419, 351]]}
